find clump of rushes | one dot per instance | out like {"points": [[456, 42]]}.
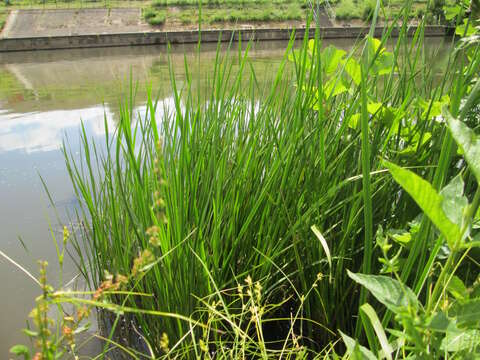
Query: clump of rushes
{"points": [[245, 173]]}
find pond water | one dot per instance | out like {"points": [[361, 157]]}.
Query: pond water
{"points": [[44, 97]]}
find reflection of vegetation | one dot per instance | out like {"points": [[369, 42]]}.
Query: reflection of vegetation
{"points": [[80, 84], [3, 17], [11, 89]]}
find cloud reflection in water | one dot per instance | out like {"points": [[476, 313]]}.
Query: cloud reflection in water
{"points": [[45, 131]]}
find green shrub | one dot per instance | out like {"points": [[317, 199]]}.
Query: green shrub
{"points": [[419, 13], [348, 9], [149, 13], [159, 19], [368, 10]]}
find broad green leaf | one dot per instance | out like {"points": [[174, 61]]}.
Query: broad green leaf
{"points": [[467, 313], [20, 350], [435, 108], [294, 55], [459, 340], [373, 45], [353, 346], [465, 29], [384, 63], [451, 12], [334, 87], [388, 115], [427, 199], [395, 116], [457, 288], [439, 322], [415, 142], [467, 140], [353, 121], [373, 107], [475, 291], [377, 326], [401, 237], [454, 202], [352, 67], [30, 333], [388, 291], [384, 60], [331, 58], [325, 247]]}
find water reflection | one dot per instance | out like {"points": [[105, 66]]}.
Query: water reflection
{"points": [[44, 131]]}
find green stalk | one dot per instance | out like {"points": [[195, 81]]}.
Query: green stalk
{"points": [[366, 184]]}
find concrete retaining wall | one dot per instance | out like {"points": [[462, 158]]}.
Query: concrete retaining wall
{"points": [[179, 37]]}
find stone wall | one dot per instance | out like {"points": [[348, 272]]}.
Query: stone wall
{"points": [[179, 37]]}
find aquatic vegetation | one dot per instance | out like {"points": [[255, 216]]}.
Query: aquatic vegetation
{"points": [[336, 208]]}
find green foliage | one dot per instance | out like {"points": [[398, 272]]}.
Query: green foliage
{"points": [[283, 185], [148, 13], [186, 11], [216, 198], [258, 12], [428, 199], [442, 322], [468, 142], [21, 350], [154, 17], [3, 18], [348, 9], [387, 291]]}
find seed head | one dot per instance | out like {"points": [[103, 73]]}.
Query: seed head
{"points": [[66, 235], [164, 342]]}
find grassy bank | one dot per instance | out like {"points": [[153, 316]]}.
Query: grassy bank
{"points": [[336, 207], [336, 12], [186, 15], [177, 13]]}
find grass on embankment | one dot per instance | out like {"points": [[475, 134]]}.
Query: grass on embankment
{"points": [[259, 12], [186, 11]]}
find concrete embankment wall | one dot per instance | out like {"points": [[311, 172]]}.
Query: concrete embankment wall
{"points": [[179, 37]]}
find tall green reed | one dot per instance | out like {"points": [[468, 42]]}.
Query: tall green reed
{"points": [[228, 182]]}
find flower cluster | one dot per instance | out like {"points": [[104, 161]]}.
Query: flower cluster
{"points": [[111, 283]]}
